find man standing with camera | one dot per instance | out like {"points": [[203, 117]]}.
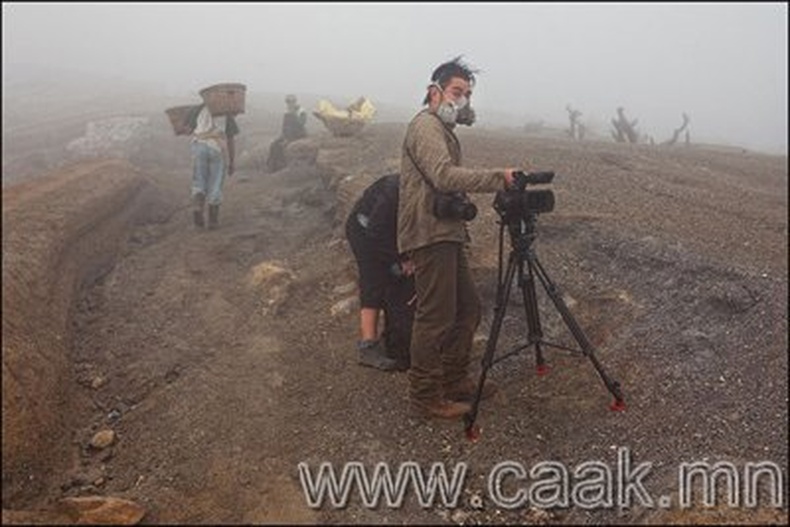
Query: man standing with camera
{"points": [[431, 231]]}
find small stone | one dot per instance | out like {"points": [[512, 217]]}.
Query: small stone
{"points": [[344, 289], [103, 439], [98, 382], [345, 306], [102, 510]]}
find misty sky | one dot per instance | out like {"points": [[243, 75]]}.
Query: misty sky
{"points": [[723, 64]]}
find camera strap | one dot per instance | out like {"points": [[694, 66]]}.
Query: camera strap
{"points": [[417, 166]]}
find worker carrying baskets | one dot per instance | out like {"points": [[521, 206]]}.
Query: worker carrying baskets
{"points": [[212, 125]]}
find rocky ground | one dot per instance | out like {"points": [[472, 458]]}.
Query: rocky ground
{"points": [[221, 360]]}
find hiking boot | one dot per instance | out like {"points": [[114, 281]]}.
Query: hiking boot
{"points": [[441, 409], [372, 353], [466, 390], [213, 216]]}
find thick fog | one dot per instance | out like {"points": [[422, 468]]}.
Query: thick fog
{"points": [[725, 65]]}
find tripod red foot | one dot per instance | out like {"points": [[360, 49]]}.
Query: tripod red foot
{"points": [[617, 406], [542, 369], [473, 433]]}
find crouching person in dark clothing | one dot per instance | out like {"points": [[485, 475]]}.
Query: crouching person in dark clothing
{"points": [[386, 280]]}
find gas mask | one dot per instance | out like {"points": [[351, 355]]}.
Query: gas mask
{"points": [[466, 115], [455, 112]]}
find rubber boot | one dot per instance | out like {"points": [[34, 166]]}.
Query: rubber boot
{"points": [[213, 216], [198, 201]]}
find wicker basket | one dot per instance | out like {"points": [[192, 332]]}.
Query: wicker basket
{"points": [[179, 117], [224, 99]]}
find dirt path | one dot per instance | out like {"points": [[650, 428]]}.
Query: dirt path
{"points": [[184, 364]]}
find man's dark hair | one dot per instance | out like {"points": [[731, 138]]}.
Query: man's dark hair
{"points": [[450, 69]]}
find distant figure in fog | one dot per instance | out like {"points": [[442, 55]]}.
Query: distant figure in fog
{"points": [[213, 154], [294, 122]]}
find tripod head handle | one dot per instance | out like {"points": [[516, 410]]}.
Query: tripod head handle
{"points": [[522, 179]]}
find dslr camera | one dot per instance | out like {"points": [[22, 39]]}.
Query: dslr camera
{"points": [[453, 206], [518, 203]]}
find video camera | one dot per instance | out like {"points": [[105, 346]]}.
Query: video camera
{"points": [[517, 203]]}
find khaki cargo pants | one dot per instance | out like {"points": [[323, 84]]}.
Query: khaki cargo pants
{"points": [[446, 317]]}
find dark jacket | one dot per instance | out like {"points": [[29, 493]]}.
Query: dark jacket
{"points": [[294, 126], [377, 209]]}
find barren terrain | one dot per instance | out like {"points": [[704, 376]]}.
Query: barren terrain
{"points": [[223, 359]]}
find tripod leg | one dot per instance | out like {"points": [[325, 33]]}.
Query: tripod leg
{"points": [[578, 334], [503, 294], [535, 332]]}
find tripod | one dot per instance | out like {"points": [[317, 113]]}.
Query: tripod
{"points": [[524, 263]]}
